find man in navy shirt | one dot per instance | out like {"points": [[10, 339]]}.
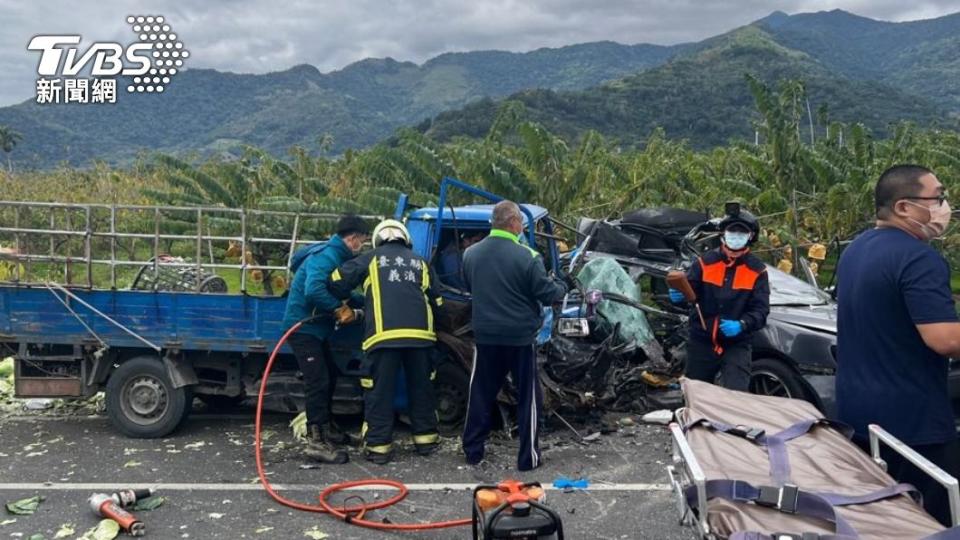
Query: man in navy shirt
{"points": [[897, 325]]}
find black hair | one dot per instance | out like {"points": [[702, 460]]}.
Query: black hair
{"points": [[352, 224], [896, 183]]}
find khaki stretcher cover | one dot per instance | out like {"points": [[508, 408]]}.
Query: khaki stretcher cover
{"points": [[822, 460]]}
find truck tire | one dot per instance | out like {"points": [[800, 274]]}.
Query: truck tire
{"points": [[141, 399], [452, 386], [772, 377]]}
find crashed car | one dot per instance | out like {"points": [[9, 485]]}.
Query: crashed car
{"points": [[793, 356]]}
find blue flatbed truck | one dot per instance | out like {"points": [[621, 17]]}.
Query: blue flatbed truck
{"points": [[152, 351]]}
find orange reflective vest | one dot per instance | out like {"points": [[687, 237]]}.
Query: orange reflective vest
{"points": [[736, 289]]}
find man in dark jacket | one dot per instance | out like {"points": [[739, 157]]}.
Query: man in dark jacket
{"points": [[509, 283], [400, 299], [309, 296], [733, 295]]}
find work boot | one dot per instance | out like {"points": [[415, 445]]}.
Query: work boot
{"points": [[379, 458], [427, 449], [333, 433], [319, 448]]}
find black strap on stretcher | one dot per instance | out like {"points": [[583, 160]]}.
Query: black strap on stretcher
{"points": [[776, 443]]}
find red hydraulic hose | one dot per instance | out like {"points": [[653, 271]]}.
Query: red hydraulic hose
{"points": [[349, 514]]}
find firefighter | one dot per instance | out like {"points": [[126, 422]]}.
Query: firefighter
{"points": [[400, 298], [309, 296], [733, 293]]}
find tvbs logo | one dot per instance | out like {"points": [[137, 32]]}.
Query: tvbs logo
{"points": [[149, 64]]}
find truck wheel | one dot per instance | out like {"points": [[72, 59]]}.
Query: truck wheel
{"points": [[141, 399], [452, 386], [771, 377]]}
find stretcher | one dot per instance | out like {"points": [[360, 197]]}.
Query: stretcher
{"points": [[748, 467]]}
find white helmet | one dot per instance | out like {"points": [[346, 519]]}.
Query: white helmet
{"points": [[390, 230]]}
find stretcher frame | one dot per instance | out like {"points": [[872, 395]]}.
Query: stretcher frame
{"points": [[684, 471]]}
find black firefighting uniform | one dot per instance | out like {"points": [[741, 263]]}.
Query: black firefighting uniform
{"points": [[398, 317], [737, 290]]}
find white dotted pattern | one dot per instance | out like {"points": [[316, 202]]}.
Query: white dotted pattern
{"points": [[167, 53]]}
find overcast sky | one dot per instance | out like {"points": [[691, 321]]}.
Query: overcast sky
{"points": [[269, 35]]}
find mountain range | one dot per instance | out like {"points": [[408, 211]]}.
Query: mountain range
{"points": [[864, 70]]}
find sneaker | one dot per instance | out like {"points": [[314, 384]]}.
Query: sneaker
{"points": [[318, 448]]}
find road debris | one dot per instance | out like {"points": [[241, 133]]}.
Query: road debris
{"points": [[299, 427], [568, 485], [107, 529], [65, 530], [315, 534], [150, 503], [662, 416], [25, 507]]}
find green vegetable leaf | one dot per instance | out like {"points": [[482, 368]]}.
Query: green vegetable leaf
{"points": [[107, 529], [24, 507], [150, 503]]}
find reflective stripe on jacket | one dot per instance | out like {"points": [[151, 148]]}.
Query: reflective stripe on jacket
{"points": [[399, 292]]}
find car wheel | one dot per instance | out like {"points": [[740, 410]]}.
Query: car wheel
{"points": [[142, 401], [452, 386], [772, 377]]}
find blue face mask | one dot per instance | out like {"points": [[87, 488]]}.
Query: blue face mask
{"points": [[736, 240]]}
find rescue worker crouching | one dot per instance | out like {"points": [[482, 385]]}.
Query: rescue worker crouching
{"points": [[310, 296], [733, 293], [400, 298]]}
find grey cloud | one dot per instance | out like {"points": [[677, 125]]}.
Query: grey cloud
{"points": [[267, 35]]}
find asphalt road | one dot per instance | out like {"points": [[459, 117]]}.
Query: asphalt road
{"points": [[206, 472]]}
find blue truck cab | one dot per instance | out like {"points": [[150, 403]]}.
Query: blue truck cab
{"points": [[153, 351]]}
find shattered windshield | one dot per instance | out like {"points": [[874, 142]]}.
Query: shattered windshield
{"points": [[786, 290]]}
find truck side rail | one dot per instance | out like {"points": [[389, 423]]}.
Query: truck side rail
{"points": [[94, 234]]}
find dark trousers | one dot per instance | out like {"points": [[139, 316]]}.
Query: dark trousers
{"points": [[385, 364], [703, 363], [491, 364], [319, 375], [944, 455]]}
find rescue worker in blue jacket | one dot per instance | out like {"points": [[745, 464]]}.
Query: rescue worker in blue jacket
{"points": [[733, 293], [400, 292], [508, 282], [309, 296]]}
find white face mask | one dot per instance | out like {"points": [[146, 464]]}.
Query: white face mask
{"points": [[736, 240], [939, 220]]}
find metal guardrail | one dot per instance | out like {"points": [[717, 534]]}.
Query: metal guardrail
{"points": [[102, 222]]}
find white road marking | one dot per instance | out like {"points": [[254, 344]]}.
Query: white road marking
{"points": [[98, 487]]}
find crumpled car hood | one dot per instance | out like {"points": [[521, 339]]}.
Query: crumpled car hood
{"points": [[820, 318]]}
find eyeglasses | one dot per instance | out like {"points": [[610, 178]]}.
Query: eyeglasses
{"points": [[939, 198]]}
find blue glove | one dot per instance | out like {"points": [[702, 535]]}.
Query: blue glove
{"points": [[676, 296], [731, 328]]}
